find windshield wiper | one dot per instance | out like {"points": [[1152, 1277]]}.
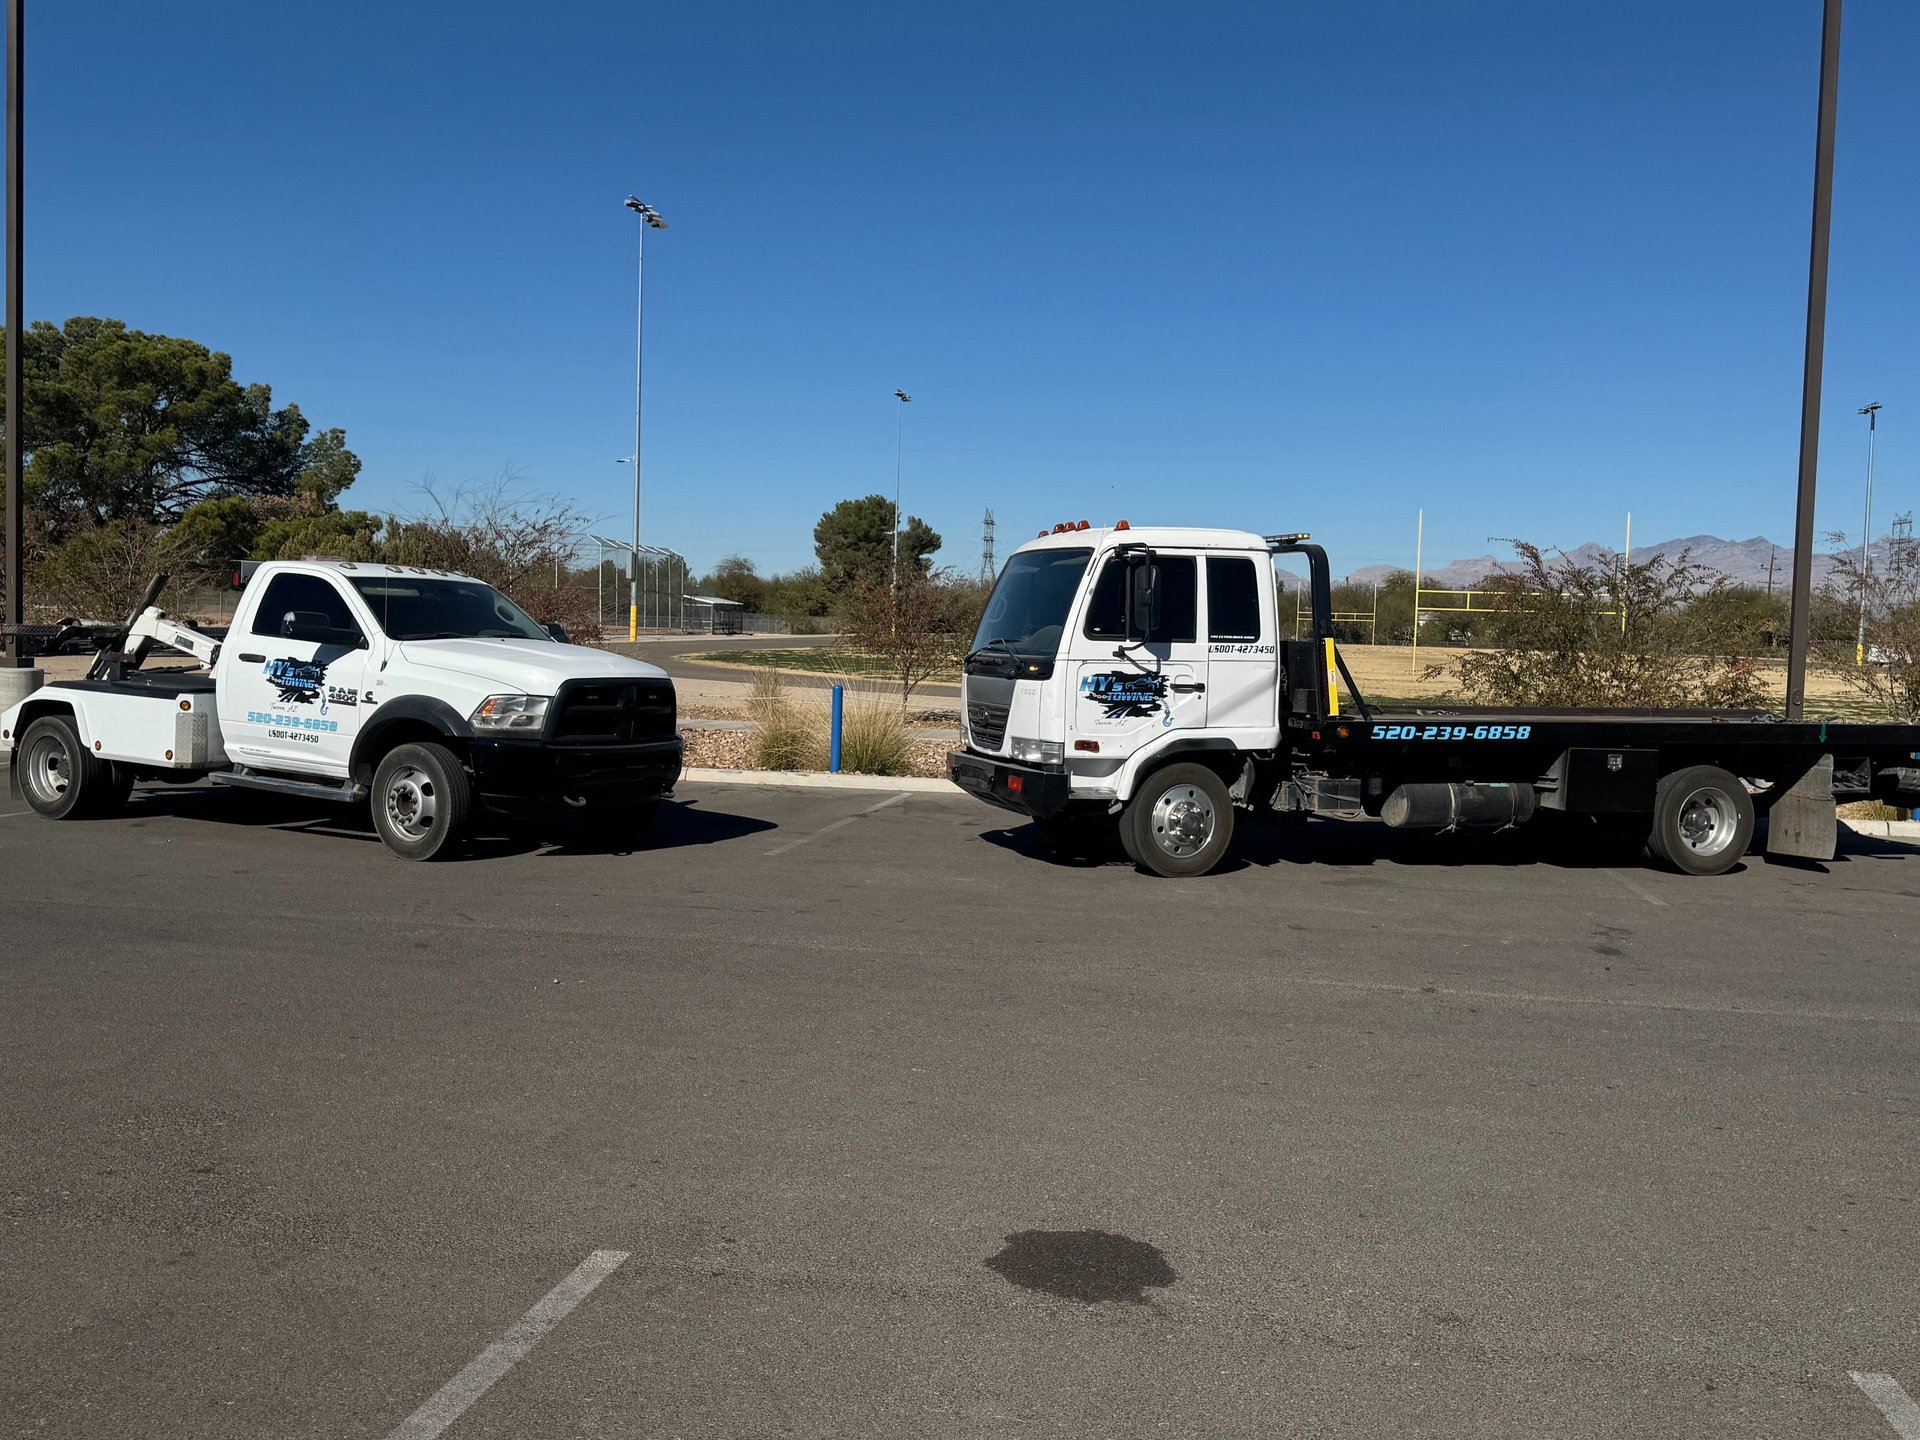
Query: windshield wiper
{"points": [[1012, 654]]}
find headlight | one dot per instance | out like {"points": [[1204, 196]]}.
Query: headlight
{"points": [[1038, 752], [498, 713]]}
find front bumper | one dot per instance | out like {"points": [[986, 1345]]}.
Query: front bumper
{"points": [[521, 775], [1036, 790]]}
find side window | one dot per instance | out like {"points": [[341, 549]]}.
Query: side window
{"points": [[288, 593], [1233, 600], [1179, 601], [1106, 606]]}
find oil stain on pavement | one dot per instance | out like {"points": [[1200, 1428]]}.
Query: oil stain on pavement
{"points": [[1085, 1265]]}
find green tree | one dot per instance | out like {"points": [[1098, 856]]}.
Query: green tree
{"points": [[212, 535], [734, 578], [854, 541], [335, 534], [121, 424]]}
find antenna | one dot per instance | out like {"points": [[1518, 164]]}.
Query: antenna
{"points": [[987, 570]]}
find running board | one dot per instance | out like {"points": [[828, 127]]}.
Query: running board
{"points": [[243, 779]]}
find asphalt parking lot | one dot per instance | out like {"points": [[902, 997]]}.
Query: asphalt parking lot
{"points": [[834, 1113]]}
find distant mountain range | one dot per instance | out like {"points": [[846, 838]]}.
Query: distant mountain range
{"points": [[1744, 562]]}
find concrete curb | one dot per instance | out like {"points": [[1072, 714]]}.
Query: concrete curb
{"points": [[1908, 830], [818, 780]]}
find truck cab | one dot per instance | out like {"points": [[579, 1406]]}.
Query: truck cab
{"points": [[1106, 652], [419, 691]]}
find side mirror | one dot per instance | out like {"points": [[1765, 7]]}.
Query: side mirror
{"points": [[1143, 599], [558, 633]]}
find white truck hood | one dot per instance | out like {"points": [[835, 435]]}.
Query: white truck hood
{"points": [[526, 667]]}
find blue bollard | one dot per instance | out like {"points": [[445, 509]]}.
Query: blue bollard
{"points": [[833, 736]]}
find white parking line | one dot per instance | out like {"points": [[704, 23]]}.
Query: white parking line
{"points": [[1898, 1406], [453, 1399], [829, 829], [1634, 887]]}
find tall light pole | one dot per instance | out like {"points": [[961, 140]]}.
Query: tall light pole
{"points": [[1798, 631], [14, 651], [899, 439], [1872, 412], [649, 220]]}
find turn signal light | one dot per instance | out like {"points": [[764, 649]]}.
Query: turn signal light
{"points": [[1092, 747]]}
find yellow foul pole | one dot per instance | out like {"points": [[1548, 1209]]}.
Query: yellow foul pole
{"points": [[1419, 540]]}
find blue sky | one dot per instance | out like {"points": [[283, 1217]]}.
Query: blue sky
{"points": [[1282, 265]]}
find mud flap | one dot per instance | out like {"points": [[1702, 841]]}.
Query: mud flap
{"points": [[1802, 822]]}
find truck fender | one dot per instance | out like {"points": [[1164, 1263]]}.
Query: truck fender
{"points": [[1145, 761], [31, 709], [413, 710]]}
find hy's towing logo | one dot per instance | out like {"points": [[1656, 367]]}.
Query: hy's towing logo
{"points": [[298, 681], [1124, 695]]}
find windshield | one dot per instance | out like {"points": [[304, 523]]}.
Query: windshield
{"points": [[1028, 610], [413, 608]]}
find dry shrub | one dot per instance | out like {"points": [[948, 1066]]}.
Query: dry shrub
{"points": [[874, 737], [788, 736]]}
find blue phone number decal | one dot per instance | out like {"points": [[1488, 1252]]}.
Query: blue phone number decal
{"points": [[1452, 732], [293, 722]]}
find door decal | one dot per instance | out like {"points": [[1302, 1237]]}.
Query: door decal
{"points": [[1127, 695]]}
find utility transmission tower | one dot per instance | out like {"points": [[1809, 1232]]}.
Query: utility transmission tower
{"points": [[1903, 527], [987, 571]]}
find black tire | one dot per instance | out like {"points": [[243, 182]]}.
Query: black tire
{"points": [[60, 777], [1179, 822], [1702, 821], [116, 792], [421, 800], [1079, 837], [621, 825]]}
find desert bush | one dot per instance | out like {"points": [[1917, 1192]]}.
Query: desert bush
{"points": [[874, 738], [1611, 634], [1890, 676], [99, 573], [787, 736]]}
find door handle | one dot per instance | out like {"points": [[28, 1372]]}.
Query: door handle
{"points": [[1193, 688], [252, 659]]}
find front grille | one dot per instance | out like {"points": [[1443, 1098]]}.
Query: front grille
{"points": [[987, 724], [613, 712]]}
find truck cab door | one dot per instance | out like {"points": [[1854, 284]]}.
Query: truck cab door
{"points": [[1243, 679], [294, 687], [1129, 693]]}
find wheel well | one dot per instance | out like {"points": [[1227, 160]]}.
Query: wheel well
{"points": [[378, 744], [35, 709], [1219, 757]]}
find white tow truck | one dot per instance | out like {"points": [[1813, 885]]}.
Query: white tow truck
{"points": [[1137, 685], [421, 692]]}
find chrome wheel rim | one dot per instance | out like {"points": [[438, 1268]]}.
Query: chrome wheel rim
{"points": [[411, 802], [48, 770], [1708, 821], [1183, 821]]}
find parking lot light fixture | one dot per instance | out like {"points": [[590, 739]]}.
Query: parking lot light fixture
{"points": [[1872, 413], [649, 220]]}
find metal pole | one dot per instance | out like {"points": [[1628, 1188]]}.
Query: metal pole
{"points": [[639, 313], [1626, 569], [1419, 542], [13, 652], [1872, 412], [899, 433], [1799, 631]]}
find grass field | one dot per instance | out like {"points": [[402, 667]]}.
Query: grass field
{"points": [[1386, 675]]}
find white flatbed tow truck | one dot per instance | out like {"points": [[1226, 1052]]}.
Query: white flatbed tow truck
{"points": [[418, 692]]}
